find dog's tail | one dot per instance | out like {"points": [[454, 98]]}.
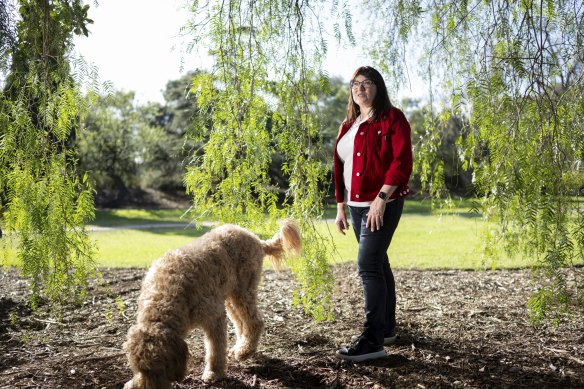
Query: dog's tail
{"points": [[287, 239]]}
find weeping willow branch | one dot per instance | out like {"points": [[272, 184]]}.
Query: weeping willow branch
{"points": [[259, 105], [45, 202], [515, 70]]}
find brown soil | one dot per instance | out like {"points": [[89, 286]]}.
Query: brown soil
{"points": [[458, 329]]}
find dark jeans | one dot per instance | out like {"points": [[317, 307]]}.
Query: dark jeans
{"points": [[375, 271]]}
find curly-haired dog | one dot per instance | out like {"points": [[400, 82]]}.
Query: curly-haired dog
{"points": [[192, 287]]}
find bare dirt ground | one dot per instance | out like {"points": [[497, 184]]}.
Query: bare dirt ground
{"points": [[458, 329]]}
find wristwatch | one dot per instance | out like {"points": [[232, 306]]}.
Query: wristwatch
{"points": [[382, 195]]}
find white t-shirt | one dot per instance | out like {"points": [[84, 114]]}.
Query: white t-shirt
{"points": [[345, 149]]}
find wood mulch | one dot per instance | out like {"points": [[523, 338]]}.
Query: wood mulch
{"points": [[457, 329]]}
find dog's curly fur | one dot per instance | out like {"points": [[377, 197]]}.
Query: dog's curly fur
{"points": [[194, 286]]}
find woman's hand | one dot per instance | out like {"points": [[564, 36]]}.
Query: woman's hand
{"points": [[375, 215], [341, 219]]}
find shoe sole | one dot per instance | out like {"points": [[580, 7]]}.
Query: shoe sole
{"points": [[389, 341], [364, 357]]}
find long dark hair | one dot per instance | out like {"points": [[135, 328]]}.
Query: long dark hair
{"points": [[381, 102]]}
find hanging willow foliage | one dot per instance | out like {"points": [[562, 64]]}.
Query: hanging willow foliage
{"points": [[7, 32], [45, 203], [516, 71], [259, 102]]}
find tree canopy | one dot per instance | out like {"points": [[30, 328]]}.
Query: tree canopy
{"points": [[7, 32], [45, 201], [505, 94]]}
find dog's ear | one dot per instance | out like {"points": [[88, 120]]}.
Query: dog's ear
{"points": [[177, 364]]}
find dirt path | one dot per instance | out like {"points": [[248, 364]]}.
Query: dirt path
{"points": [[458, 329]]}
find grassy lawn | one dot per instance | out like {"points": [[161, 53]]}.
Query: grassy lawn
{"points": [[124, 217], [138, 248], [422, 207], [431, 242], [425, 239]]}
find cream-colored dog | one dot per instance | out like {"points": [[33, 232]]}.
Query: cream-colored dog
{"points": [[193, 287]]}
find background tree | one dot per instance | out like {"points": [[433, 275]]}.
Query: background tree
{"points": [[329, 111], [332, 108], [442, 170], [7, 33], [514, 71], [130, 148], [163, 148], [47, 202], [108, 146], [177, 117], [180, 104]]}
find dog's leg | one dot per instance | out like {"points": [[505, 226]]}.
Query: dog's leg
{"points": [[235, 318], [248, 322], [215, 329]]}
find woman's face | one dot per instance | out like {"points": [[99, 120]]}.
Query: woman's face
{"points": [[364, 91]]}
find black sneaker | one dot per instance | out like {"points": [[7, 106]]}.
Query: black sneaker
{"points": [[389, 338], [361, 350]]}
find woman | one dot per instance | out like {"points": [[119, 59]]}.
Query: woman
{"points": [[372, 166]]}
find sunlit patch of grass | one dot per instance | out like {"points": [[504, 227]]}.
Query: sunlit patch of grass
{"points": [[123, 217], [426, 238], [138, 248], [429, 242], [8, 251]]}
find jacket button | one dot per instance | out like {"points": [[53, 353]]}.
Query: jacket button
{"points": [[357, 196], [358, 154], [361, 133], [358, 174], [378, 132]]}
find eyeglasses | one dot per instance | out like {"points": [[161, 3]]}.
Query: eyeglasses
{"points": [[357, 84]]}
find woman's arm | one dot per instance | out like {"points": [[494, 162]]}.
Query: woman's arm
{"points": [[400, 167], [341, 219]]}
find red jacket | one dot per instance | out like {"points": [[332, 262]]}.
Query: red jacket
{"points": [[382, 155]]}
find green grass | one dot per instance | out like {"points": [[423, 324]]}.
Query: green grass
{"points": [[124, 217], [430, 238], [425, 239], [430, 242], [138, 248]]}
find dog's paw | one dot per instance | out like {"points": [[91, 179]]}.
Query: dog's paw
{"points": [[130, 385], [140, 381], [211, 376], [240, 353]]}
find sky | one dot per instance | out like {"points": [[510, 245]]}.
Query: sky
{"points": [[136, 44]]}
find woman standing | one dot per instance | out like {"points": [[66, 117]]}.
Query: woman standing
{"points": [[372, 166]]}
